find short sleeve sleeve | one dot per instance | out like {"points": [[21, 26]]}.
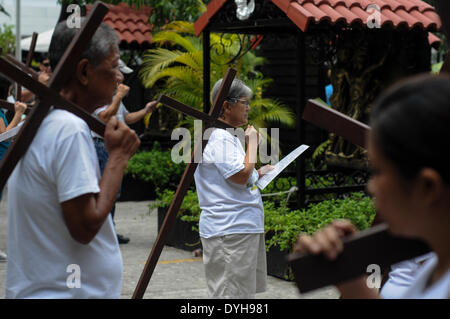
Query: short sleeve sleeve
{"points": [[227, 154], [123, 110], [76, 167], [99, 110]]}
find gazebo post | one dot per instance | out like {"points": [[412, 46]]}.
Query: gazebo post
{"points": [[300, 124], [206, 70], [443, 8]]}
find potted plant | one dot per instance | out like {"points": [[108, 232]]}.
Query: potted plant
{"points": [[184, 234], [149, 171]]}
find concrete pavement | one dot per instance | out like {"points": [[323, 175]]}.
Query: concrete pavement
{"points": [[178, 275]]}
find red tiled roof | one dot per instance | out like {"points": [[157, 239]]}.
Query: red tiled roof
{"points": [[410, 13], [434, 41], [130, 24]]}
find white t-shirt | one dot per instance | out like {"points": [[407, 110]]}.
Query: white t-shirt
{"points": [[44, 261], [439, 290], [402, 276], [227, 208], [121, 113]]}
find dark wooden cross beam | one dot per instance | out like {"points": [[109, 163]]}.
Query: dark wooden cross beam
{"points": [[49, 96], [22, 66], [28, 63], [338, 123], [372, 246], [32, 48], [188, 110], [211, 120]]}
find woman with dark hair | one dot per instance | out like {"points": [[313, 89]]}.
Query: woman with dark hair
{"points": [[410, 183]]}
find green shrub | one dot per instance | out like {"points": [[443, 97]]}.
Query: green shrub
{"points": [[285, 225], [7, 38], [156, 167], [282, 224], [279, 185]]}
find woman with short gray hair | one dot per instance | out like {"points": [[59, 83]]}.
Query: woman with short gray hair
{"points": [[61, 239], [232, 218]]}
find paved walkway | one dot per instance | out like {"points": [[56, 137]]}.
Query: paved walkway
{"points": [[178, 275]]}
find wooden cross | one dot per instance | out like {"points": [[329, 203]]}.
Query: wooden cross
{"points": [[22, 66], [49, 96], [28, 63], [211, 120]]}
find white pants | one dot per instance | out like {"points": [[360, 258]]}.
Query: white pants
{"points": [[235, 265]]}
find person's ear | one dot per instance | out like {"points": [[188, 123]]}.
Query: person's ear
{"points": [[429, 186], [226, 107], [82, 72]]}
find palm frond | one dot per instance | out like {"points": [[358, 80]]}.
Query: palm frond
{"points": [[188, 93], [192, 60], [182, 73], [155, 60], [173, 38], [268, 111], [201, 6], [180, 27]]}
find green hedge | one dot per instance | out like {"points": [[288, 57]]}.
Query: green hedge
{"points": [[285, 225], [157, 167], [282, 224]]}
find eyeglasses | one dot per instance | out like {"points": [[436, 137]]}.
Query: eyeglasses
{"points": [[235, 100], [46, 64]]}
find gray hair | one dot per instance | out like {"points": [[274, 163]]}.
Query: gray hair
{"points": [[104, 39], [238, 89]]}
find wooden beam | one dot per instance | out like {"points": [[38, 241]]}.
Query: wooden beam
{"points": [[333, 121], [39, 89], [188, 110], [186, 181], [32, 48], [372, 246], [22, 66], [28, 63]]}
